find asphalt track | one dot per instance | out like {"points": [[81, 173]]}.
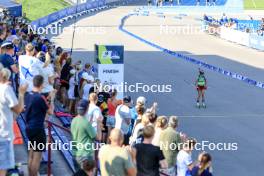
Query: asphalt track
{"points": [[235, 109]]}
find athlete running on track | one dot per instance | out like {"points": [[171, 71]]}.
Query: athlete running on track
{"points": [[201, 85]]}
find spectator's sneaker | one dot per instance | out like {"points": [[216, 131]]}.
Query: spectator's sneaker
{"points": [[204, 105], [198, 105]]}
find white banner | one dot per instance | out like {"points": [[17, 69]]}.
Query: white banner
{"points": [[113, 75], [235, 36]]}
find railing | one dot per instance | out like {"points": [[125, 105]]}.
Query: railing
{"points": [[50, 125]]}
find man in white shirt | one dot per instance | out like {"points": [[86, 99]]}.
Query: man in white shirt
{"points": [[9, 104], [29, 66], [184, 158], [123, 118], [88, 85], [94, 114]]}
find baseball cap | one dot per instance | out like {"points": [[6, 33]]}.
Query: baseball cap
{"points": [[7, 45], [141, 100], [127, 99]]}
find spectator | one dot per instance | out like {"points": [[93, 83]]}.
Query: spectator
{"points": [[83, 134], [170, 141], [103, 97], [149, 158], [29, 66], [87, 168], [86, 69], [35, 114], [161, 125], [86, 85], [6, 59], [184, 158], [9, 104], [140, 106], [2, 36], [47, 72], [153, 111], [64, 78], [115, 159], [204, 167], [112, 105], [123, 118], [71, 92], [94, 114], [137, 136], [45, 45], [139, 111]]}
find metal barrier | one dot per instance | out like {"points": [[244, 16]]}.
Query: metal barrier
{"points": [[50, 125]]}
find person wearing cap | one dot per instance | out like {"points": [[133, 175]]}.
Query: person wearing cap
{"points": [[83, 135], [140, 106], [170, 137], [123, 118], [6, 59], [201, 85], [87, 83]]}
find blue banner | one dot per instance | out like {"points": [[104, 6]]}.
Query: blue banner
{"points": [[42, 22]]}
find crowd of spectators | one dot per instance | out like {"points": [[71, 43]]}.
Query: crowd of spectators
{"points": [[36, 76], [233, 23]]}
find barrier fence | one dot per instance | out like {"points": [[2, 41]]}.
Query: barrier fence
{"points": [[250, 40]]}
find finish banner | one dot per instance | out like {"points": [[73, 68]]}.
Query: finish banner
{"points": [[110, 60]]}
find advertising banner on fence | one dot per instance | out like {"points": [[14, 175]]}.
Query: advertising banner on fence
{"points": [[236, 36], [256, 42], [110, 60]]}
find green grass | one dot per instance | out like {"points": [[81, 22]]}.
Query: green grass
{"points": [[39, 8], [254, 4]]}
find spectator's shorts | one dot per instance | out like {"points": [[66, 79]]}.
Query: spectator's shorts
{"points": [[37, 139], [201, 88], [110, 121], [7, 158]]}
